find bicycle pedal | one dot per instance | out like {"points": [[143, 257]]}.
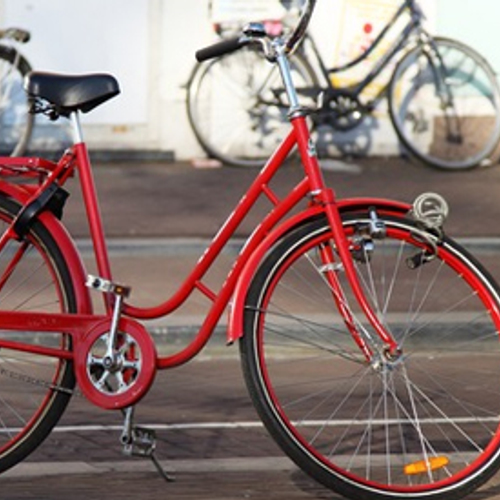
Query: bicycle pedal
{"points": [[142, 443]]}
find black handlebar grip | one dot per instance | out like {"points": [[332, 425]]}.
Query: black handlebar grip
{"points": [[220, 48]]}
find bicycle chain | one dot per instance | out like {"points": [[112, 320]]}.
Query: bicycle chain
{"points": [[38, 382]]}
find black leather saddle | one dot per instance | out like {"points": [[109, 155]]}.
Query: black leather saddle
{"points": [[68, 93]]}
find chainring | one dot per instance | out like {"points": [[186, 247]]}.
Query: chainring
{"points": [[121, 379], [340, 109]]}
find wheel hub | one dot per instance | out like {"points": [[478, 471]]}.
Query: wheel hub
{"points": [[387, 360]]}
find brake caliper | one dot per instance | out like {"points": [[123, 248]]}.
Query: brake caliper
{"points": [[362, 242]]}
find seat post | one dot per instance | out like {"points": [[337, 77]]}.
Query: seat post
{"points": [[77, 129]]}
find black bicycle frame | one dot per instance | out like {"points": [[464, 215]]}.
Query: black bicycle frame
{"points": [[414, 24]]}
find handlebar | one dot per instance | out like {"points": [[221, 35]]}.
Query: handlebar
{"points": [[253, 34], [221, 48]]}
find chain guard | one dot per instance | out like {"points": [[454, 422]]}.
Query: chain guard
{"points": [[123, 382]]}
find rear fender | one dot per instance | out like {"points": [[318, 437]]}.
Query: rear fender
{"points": [[350, 205], [21, 194]]}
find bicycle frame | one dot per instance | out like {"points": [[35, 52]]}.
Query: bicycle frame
{"points": [[78, 158], [86, 328]]}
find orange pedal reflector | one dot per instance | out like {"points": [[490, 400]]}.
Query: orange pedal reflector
{"points": [[423, 466]]}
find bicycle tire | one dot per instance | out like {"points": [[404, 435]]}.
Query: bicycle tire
{"points": [[237, 108], [34, 390], [364, 429], [16, 121], [457, 136]]}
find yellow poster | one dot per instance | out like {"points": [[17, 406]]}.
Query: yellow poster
{"points": [[361, 23]]}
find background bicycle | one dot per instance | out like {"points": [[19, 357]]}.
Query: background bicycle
{"points": [[16, 123], [443, 98]]}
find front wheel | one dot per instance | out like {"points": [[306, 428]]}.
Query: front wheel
{"points": [[444, 103], [421, 424]]}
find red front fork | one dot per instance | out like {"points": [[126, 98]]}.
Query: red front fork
{"points": [[326, 198], [330, 273]]}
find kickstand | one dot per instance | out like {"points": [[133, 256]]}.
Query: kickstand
{"points": [[164, 474], [141, 442]]}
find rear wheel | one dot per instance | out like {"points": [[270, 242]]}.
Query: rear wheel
{"points": [[422, 424], [445, 105], [34, 389]]}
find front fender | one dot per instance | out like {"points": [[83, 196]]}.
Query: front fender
{"points": [[349, 205], [66, 244]]}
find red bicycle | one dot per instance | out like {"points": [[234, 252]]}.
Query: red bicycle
{"points": [[369, 339]]}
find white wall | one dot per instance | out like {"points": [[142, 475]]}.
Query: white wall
{"points": [[149, 45], [114, 36], [474, 22], [184, 29]]}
